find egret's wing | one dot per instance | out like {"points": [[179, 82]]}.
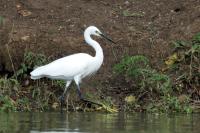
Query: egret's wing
{"points": [[67, 67]]}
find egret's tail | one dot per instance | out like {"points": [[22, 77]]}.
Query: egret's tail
{"points": [[37, 73]]}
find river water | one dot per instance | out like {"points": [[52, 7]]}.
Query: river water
{"points": [[55, 122]]}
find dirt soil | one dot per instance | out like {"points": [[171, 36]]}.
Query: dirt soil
{"points": [[55, 29]]}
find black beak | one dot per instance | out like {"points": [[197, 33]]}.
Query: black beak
{"points": [[107, 38]]}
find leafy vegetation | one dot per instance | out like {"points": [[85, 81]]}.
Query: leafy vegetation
{"points": [[157, 92], [8, 87], [12, 94], [187, 65], [143, 77], [30, 61], [174, 89], [152, 89], [138, 73], [7, 104]]}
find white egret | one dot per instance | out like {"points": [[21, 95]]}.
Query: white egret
{"points": [[74, 67]]}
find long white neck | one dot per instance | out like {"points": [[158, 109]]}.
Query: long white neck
{"points": [[99, 52]]}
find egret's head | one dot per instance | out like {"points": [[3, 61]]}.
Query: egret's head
{"points": [[92, 30]]}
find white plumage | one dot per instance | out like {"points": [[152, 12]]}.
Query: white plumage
{"points": [[65, 68], [76, 66]]}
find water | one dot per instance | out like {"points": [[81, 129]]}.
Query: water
{"points": [[54, 122]]}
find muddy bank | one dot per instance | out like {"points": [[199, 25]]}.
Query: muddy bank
{"points": [[55, 29]]}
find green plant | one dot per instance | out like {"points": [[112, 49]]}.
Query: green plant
{"points": [[130, 65], [169, 103], [7, 85], [23, 104], [137, 70], [30, 61], [172, 103], [187, 64], [6, 104], [196, 38], [59, 83]]}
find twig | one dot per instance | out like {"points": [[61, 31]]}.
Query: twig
{"points": [[114, 53], [191, 65], [7, 48]]}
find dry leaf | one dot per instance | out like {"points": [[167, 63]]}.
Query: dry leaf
{"points": [[130, 99], [24, 13], [172, 59]]}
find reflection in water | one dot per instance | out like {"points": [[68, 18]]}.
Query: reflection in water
{"points": [[54, 122], [54, 132]]}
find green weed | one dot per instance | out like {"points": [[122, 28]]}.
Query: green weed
{"points": [[34, 97], [8, 88], [138, 71], [153, 90], [42, 97], [30, 61], [172, 103], [23, 104], [6, 104], [8, 85], [187, 65], [59, 83], [147, 81]]}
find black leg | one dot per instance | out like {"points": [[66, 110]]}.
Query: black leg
{"points": [[83, 99], [79, 92], [62, 97], [62, 101]]}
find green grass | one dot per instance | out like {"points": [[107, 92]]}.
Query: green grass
{"points": [[146, 80]]}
